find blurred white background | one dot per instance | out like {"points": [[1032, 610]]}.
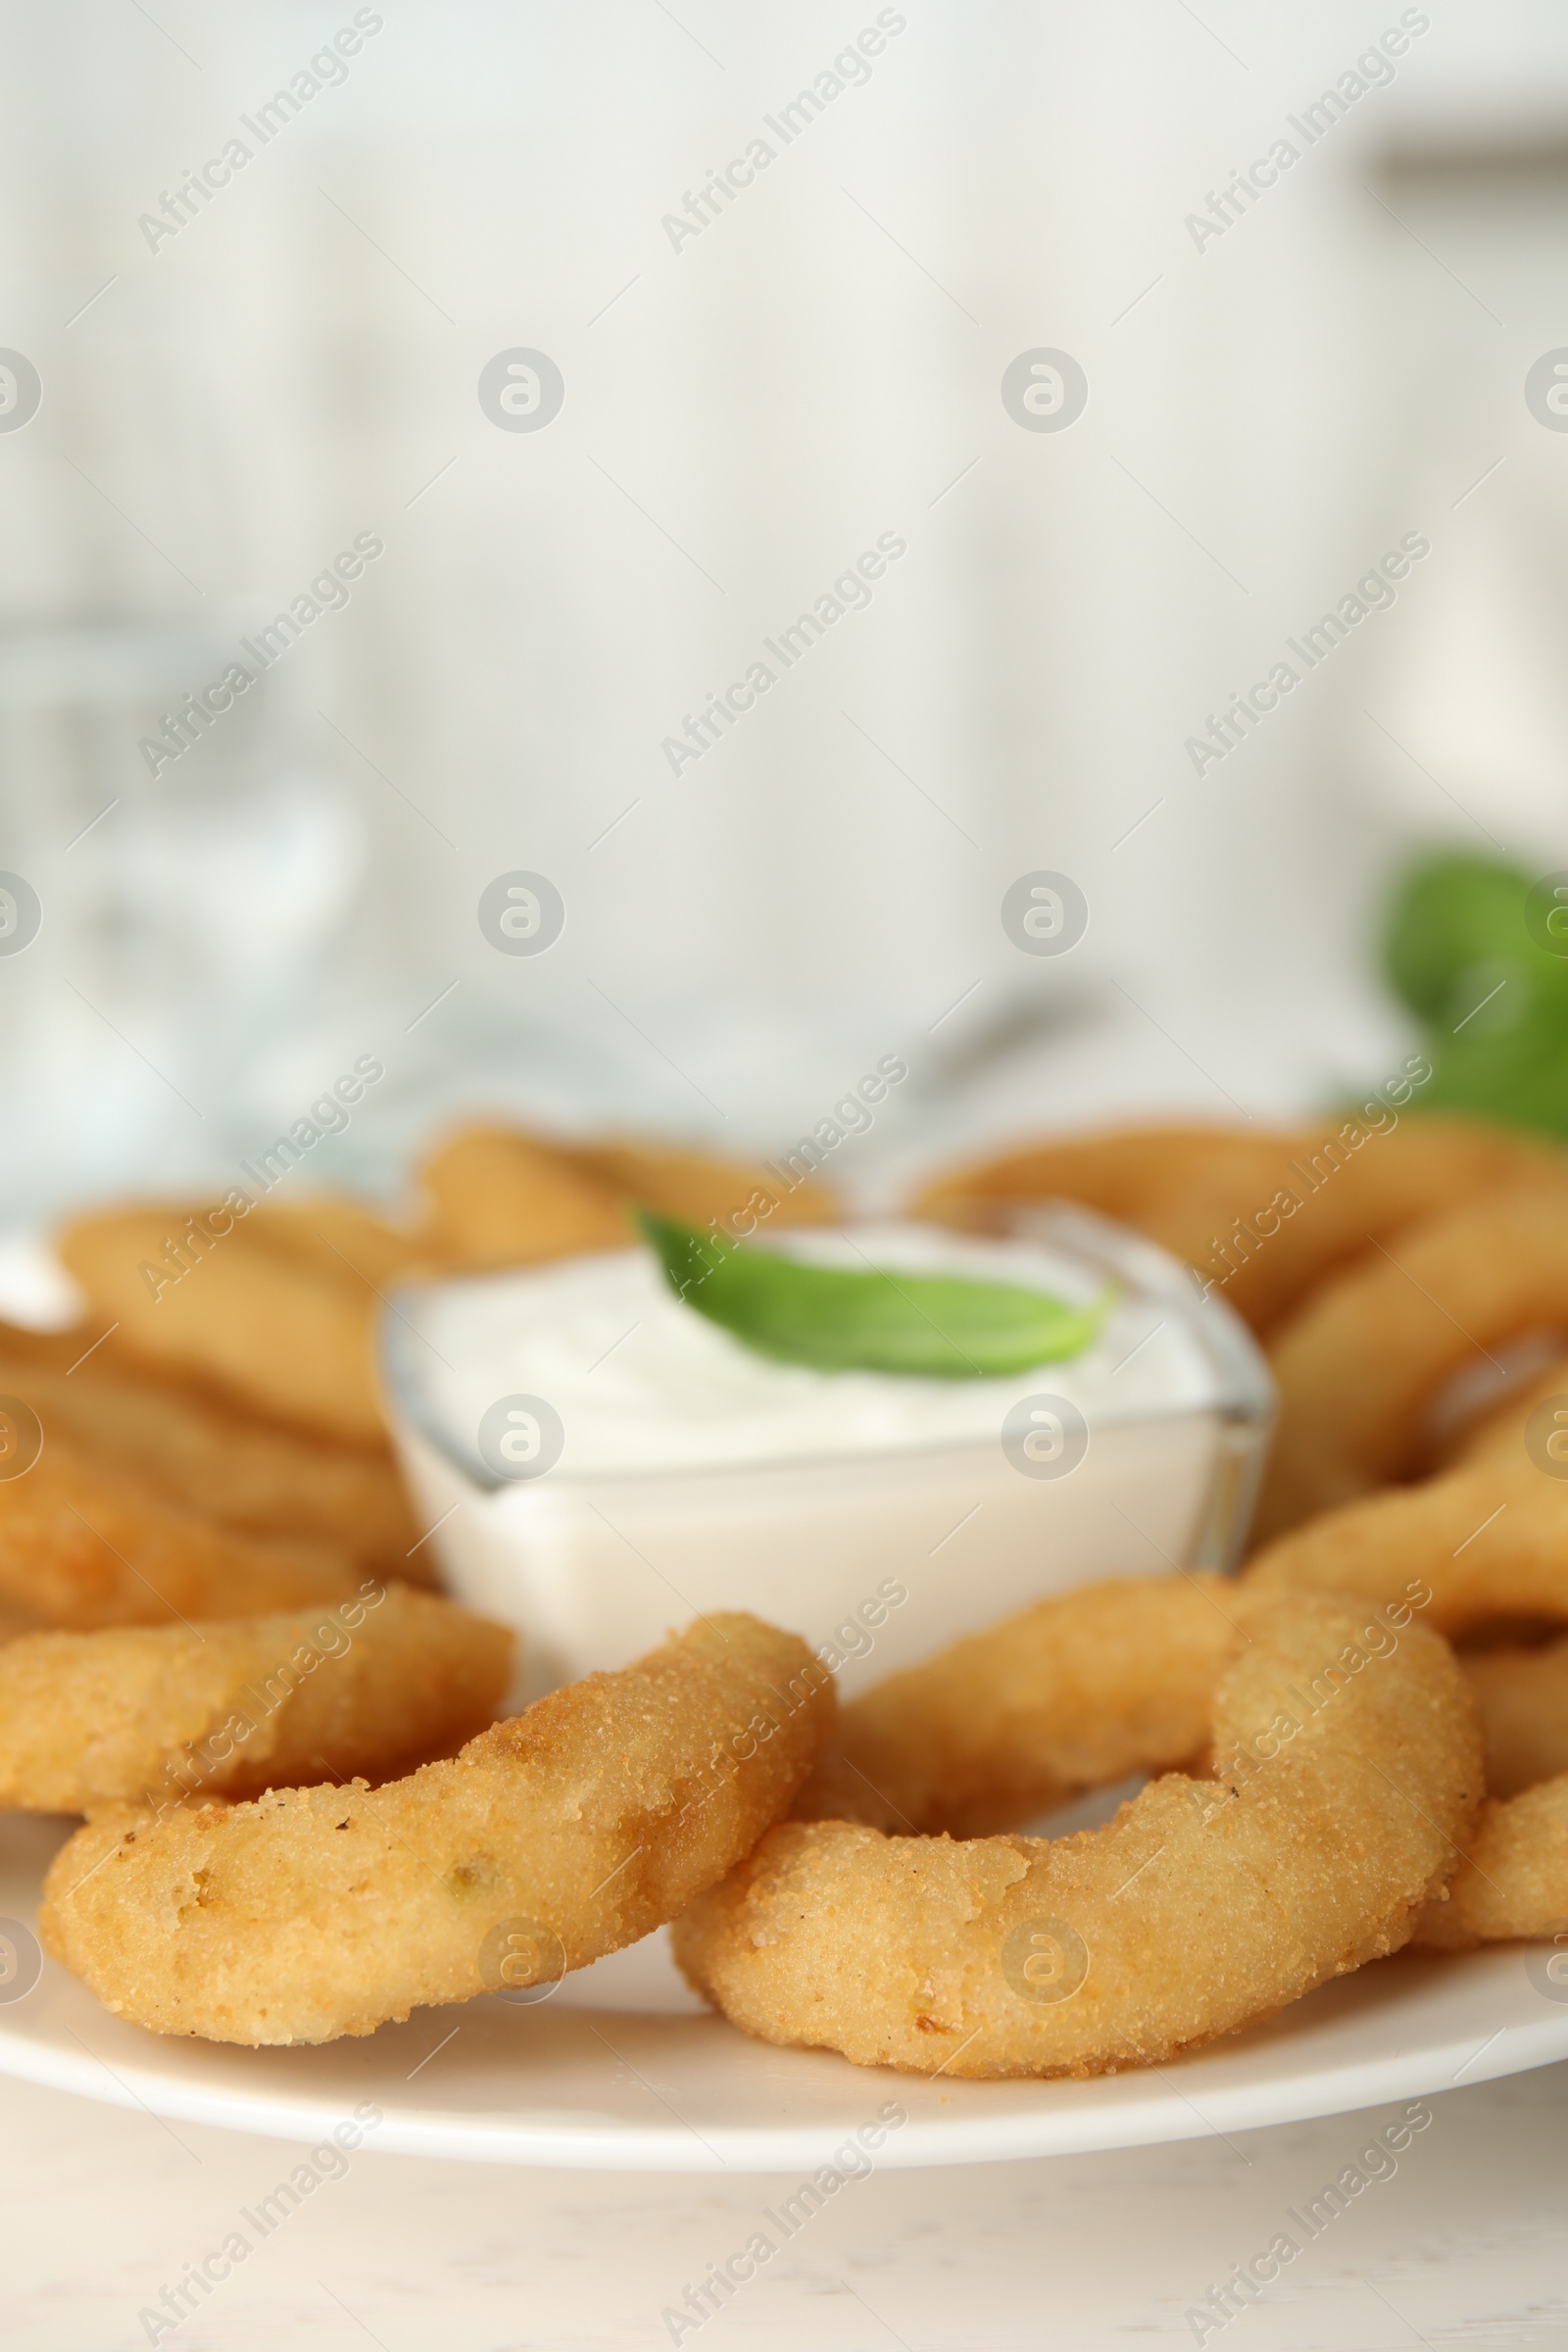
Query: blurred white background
{"points": [[224, 408]]}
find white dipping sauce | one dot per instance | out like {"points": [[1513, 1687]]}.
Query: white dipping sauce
{"points": [[876, 1515], [644, 1382]]}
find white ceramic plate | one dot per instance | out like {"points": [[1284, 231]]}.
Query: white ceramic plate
{"points": [[622, 2070]]}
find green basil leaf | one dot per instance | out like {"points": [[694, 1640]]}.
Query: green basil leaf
{"points": [[931, 1326], [1466, 951]]}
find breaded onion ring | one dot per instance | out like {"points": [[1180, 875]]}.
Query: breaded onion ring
{"points": [[571, 1830], [1085, 1686], [1124, 1174], [1506, 1431], [699, 1186], [85, 1547], [1264, 1218], [504, 1198], [201, 1457], [375, 1687], [1358, 1368], [1201, 1907], [273, 1309], [1523, 1697], [1513, 1881], [1488, 1542], [1071, 1694]]}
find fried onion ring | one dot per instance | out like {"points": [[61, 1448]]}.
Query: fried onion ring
{"points": [[1264, 1218], [1071, 1694], [375, 1685], [206, 1458], [601, 1812], [698, 1186], [1523, 1697], [269, 1311], [1513, 1880], [504, 1198], [1503, 1432], [83, 1548], [1359, 1364], [1487, 1542], [1309, 1852]]}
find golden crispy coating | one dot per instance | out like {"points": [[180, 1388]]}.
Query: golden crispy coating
{"points": [[43, 1351], [1264, 1217], [1513, 1881], [83, 1548], [276, 1307], [695, 1186], [373, 1685], [1523, 1697], [206, 1458], [271, 1307], [506, 1198], [1129, 1174], [571, 1830], [1362, 1360], [1340, 1795], [1488, 1542], [1498, 1435], [1072, 1693], [339, 1236]]}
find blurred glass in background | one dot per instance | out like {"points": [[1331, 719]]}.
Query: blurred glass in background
{"points": [[243, 380]]}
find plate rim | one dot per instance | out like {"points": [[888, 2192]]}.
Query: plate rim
{"points": [[1157, 2117]]}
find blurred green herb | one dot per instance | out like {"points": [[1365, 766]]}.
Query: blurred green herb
{"points": [[929, 1325], [1477, 948]]}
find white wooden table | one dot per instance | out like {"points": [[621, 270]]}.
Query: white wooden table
{"points": [[1466, 2244]]}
